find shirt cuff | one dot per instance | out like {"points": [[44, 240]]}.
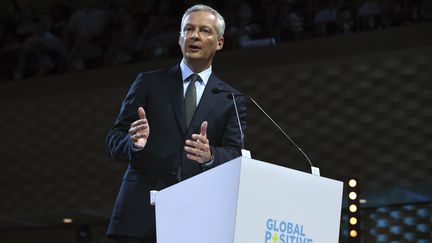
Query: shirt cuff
{"points": [[209, 163]]}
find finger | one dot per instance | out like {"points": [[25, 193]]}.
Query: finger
{"points": [[200, 138], [197, 144], [141, 113], [138, 146], [193, 151], [203, 130], [190, 145], [195, 154], [139, 122], [135, 137], [137, 129]]}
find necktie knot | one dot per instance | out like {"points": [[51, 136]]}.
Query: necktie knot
{"points": [[193, 78]]}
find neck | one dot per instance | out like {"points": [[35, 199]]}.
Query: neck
{"points": [[197, 66]]}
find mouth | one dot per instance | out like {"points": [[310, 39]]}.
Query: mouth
{"points": [[194, 47]]}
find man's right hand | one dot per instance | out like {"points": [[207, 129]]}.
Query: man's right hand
{"points": [[139, 130]]}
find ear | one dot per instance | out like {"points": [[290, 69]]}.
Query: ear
{"points": [[220, 44]]}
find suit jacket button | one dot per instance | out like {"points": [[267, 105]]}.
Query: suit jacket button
{"points": [[173, 172]]}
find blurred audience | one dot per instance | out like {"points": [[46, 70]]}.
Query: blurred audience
{"points": [[87, 34], [325, 19], [113, 32], [368, 14], [290, 22], [124, 39], [42, 52]]}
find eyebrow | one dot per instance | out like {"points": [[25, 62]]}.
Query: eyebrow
{"points": [[199, 26]]}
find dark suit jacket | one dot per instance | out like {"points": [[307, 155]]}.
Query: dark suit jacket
{"points": [[155, 167]]}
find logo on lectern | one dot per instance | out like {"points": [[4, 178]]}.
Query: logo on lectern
{"points": [[285, 232]]}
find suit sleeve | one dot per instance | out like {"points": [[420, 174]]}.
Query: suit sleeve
{"points": [[231, 143], [118, 141]]}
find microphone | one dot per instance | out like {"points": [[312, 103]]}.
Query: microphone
{"points": [[231, 95], [219, 90], [245, 153]]}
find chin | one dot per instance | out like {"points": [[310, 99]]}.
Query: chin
{"points": [[194, 54], [194, 57]]}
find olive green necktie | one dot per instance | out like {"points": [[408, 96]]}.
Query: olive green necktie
{"points": [[190, 98]]}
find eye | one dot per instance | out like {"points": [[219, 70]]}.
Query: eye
{"points": [[188, 29], [206, 31]]}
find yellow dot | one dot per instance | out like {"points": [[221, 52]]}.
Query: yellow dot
{"points": [[353, 233], [353, 208], [352, 183], [353, 220], [352, 195], [67, 221]]}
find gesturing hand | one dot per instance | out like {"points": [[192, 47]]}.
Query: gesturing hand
{"points": [[198, 148], [139, 130]]}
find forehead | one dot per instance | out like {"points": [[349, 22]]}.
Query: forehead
{"points": [[200, 18]]}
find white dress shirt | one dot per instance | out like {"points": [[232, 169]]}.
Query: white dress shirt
{"points": [[200, 86]]}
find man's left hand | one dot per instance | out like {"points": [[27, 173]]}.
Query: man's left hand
{"points": [[198, 148]]}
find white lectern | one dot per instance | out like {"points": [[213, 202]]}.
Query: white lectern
{"points": [[248, 201]]}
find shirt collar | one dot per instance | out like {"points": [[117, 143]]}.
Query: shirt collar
{"points": [[186, 72]]}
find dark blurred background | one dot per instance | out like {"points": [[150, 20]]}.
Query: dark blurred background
{"points": [[349, 80]]}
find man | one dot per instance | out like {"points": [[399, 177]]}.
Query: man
{"points": [[172, 127]]}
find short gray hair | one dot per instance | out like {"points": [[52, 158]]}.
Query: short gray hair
{"points": [[220, 22]]}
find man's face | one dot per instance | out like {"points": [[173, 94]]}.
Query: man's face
{"points": [[199, 39]]}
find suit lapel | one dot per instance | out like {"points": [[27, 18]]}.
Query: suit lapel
{"points": [[208, 100], [175, 90]]}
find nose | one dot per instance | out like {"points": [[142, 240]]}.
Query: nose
{"points": [[195, 34]]}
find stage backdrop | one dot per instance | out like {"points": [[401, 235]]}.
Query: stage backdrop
{"points": [[358, 105]]}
